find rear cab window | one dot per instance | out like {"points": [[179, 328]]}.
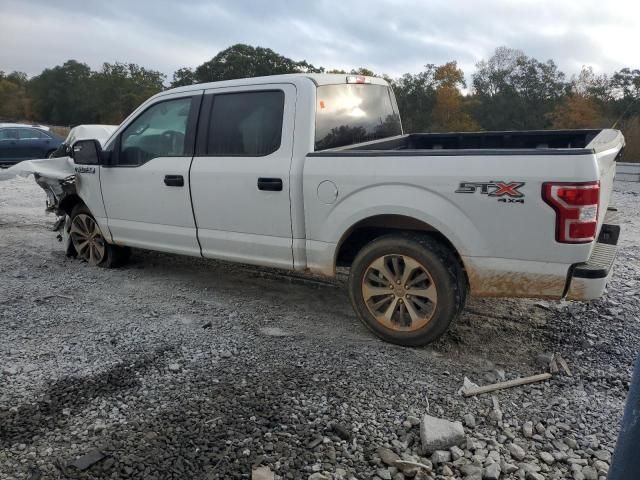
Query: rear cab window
{"points": [[347, 114]]}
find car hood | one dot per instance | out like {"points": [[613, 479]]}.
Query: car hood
{"points": [[86, 132], [54, 168]]}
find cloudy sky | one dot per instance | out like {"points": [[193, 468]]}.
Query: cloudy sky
{"points": [[390, 36]]}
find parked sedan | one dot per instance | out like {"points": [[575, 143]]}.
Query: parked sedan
{"points": [[19, 143]]}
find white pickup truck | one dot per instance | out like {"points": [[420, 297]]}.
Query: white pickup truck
{"points": [[313, 172]]}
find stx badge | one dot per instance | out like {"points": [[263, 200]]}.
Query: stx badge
{"points": [[507, 192]]}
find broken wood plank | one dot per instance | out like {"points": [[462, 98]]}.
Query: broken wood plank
{"points": [[563, 364], [508, 384], [55, 295], [553, 365], [404, 464]]}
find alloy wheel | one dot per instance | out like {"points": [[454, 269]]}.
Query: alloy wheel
{"points": [[399, 292], [87, 239]]}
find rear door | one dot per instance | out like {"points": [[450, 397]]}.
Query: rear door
{"points": [[240, 174], [146, 187], [33, 143], [9, 149]]}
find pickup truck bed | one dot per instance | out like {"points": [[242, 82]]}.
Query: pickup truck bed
{"points": [[449, 177], [551, 142]]}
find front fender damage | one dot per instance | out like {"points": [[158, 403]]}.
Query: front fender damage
{"points": [[56, 176], [57, 190]]}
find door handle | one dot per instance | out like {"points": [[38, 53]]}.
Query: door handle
{"points": [[174, 180], [270, 184]]}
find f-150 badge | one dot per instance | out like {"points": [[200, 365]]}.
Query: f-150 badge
{"points": [[507, 192]]}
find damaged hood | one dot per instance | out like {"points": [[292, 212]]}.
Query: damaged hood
{"points": [[87, 132], [54, 168], [57, 176]]}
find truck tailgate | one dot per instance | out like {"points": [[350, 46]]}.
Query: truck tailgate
{"points": [[607, 147]]}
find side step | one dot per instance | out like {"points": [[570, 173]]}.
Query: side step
{"points": [[599, 264], [604, 251]]}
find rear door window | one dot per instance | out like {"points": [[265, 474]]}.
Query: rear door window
{"points": [[31, 134], [246, 123]]}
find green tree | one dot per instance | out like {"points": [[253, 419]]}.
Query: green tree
{"points": [[626, 83], [120, 88], [183, 76], [362, 71], [625, 88], [416, 97], [514, 91], [63, 95], [244, 61], [589, 84], [15, 103]]}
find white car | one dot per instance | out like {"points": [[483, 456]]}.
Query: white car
{"points": [[310, 172]]}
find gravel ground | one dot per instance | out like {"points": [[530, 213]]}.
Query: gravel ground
{"points": [[180, 368]]}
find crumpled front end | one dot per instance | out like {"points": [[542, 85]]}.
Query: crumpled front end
{"points": [[56, 176], [57, 189]]}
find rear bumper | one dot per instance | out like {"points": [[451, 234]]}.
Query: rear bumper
{"points": [[588, 280]]}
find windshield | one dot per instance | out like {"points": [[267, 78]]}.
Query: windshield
{"points": [[354, 113]]}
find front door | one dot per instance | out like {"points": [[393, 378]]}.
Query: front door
{"points": [[240, 174], [146, 185]]}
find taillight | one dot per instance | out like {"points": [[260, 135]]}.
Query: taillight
{"points": [[576, 206]]}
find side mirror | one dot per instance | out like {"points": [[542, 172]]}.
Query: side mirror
{"points": [[87, 152]]}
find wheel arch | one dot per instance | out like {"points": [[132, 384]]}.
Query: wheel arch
{"points": [[368, 229], [68, 203]]}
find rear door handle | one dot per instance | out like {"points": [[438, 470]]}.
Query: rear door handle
{"points": [[270, 184], [174, 180]]}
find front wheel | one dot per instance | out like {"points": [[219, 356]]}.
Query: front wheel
{"points": [[407, 289], [89, 242]]}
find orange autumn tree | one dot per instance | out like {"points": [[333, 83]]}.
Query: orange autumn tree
{"points": [[581, 105], [449, 113], [576, 111]]}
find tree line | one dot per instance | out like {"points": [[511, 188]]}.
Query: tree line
{"points": [[508, 91]]}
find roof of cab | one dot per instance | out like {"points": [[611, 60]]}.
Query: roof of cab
{"points": [[317, 78]]}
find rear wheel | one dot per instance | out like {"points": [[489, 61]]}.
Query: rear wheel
{"points": [[407, 289], [89, 242]]}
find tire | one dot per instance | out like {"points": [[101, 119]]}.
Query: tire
{"points": [[88, 242], [407, 288]]}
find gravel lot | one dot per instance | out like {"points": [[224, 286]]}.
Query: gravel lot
{"points": [[180, 368]]}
